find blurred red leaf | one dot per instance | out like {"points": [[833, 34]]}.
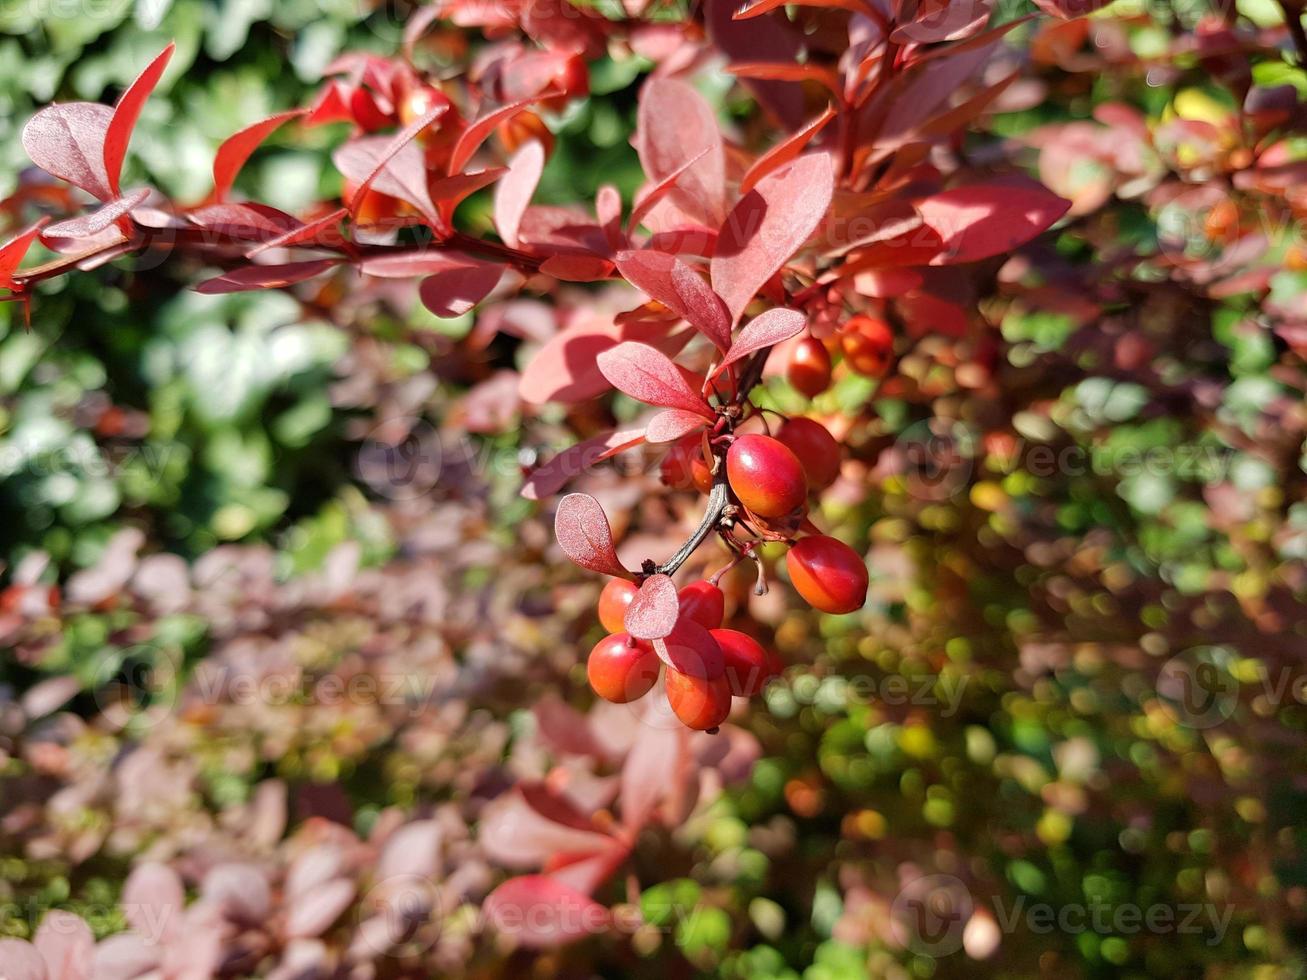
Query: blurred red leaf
{"points": [[653, 612], [397, 169], [672, 424], [246, 220], [566, 369], [650, 771], [767, 329], [584, 535], [452, 292], [321, 231], [539, 912], [237, 148], [678, 287], [517, 833], [768, 226], [119, 131], [265, 276], [982, 220], [66, 944], [477, 133], [785, 151], [646, 200], [406, 265], [14, 250], [515, 191], [548, 478], [67, 141], [650, 376], [22, 961], [572, 267], [1069, 9], [677, 134]]}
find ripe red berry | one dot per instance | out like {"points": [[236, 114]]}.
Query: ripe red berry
{"points": [[704, 603], [829, 574], [620, 671], [699, 703], [748, 664], [613, 600], [684, 467], [868, 345], [766, 477], [809, 367], [816, 449]]}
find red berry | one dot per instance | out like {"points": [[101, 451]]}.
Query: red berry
{"points": [[766, 477], [828, 574], [620, 671], [704, 603], [868, 345], [684, 467], [816, 449], [699, 703], [613, 600], [748, 664], [809, 367]]}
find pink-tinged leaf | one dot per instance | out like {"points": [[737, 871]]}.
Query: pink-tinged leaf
{"points": [[518, 835], [402, 175], [247, 221], [540, 912], [646, 200], [407, 265], [653, 612], [98, 220], [479, 131], [314, 913], [684, 241], [448, 192], [1070, 9], [767, 329], [14, 250], [126, 112], [674, 284], [67, 141], [66, 944], [548, 478], [586, 874], [20, 961], [785, 151], [757, 8], [409, 177], [571, 267], [237, 148], [608, 209], [153, 900], [676, 127], [982, 220], [690, 649], [265, 276], [126, 956], [584, 535], [933, 21], [566, 369], [514, 192], [647, 375], [452, 292], [672, 424], [767, 226], [650, 772], [322, 232], [789, 72]]}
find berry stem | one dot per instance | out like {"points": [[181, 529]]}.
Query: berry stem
{"points": [[717, 500]]}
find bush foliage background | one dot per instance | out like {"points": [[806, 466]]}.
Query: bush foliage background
{"points": [[198, 476]]}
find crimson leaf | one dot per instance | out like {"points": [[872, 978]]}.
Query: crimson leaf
{"points": [[767, 329], [126, 112], [584, 535], [650, 376], [237, 147], [653, 612], [667, 279]]}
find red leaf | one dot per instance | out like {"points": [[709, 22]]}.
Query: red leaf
{"points": [[237, 148], [14, 250], [126, 112], [548, 478], [789, 72], [768, 226], [402, 174], [650, 772], [785, 151], [566, 369], [539, 912], [759, 7], [98, 220], [674, 127], [478, 131], [653, 612], [452, 292], [515, 191], [571, 267], [649, 376], [584, 535], [608, 209], [67, 141], [982, 220], [407, 265], [310, 233], [517, 834], [646, 200], [941, 20], [408, 172], [689, 648], [450, 191], [265, 276], [66, 944], [767, 329], [674, 284], [671, 424], [248, 220], [1070, 9]]}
